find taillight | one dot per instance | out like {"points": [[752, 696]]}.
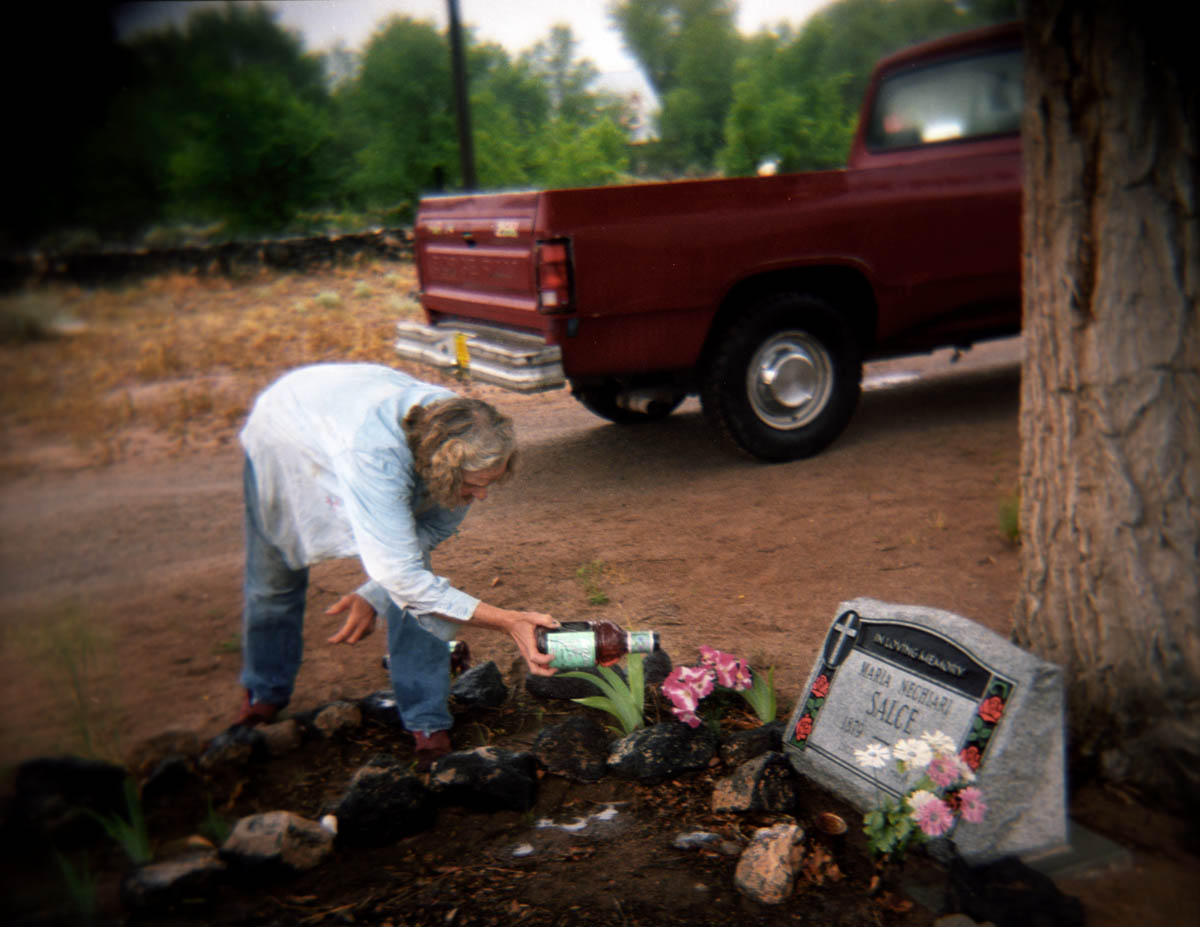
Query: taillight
{"points": [[554, 276]]}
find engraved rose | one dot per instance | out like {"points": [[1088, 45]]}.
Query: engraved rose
{"points": [[992, 709]]}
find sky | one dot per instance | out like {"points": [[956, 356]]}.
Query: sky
{"points": [[514, 24]]}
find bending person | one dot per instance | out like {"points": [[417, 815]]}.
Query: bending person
{"points": [[348, 460]]}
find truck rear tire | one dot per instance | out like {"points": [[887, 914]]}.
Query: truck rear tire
{"points": [[784, 378], [605, 402]]}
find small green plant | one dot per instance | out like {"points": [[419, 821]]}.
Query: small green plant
{"points": [[761, 696], [589, 574], [215, 827], [81, 887], [76, 658], [362, 290], [624, 699], [232, 644], [128, 832], [327, 299], [1010, 517]]}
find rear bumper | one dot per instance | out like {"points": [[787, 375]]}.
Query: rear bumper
{"points": [[513, 360]]}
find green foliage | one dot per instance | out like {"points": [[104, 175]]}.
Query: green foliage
{"points": [[252, 155], [399, 112], [76, 658], [688, 50], [215, 826], [81, 885], [761, 696], [624, 699], [128, 832], [228, 121], [889, 829], [796, 95], [589, 575]]}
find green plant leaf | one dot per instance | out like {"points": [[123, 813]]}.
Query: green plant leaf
{"points": [[620, 701], [636, 671], [599, 682], [130, 834], [597, 701]]}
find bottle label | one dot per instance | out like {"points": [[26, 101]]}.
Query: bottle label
{"points": [[571, 649], [641, 641]]}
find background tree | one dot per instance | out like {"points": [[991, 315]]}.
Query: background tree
{"points": [[1110, 403], [584, 141], [401, 114], [688, 50], [797, 94], [242, 112]]}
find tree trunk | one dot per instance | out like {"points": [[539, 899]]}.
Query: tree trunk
{"points": [[1110, 395]]}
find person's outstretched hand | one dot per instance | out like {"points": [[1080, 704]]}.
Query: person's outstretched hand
{"points": [[360, 622]]}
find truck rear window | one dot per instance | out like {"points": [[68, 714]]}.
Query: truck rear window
{"points": [[958, 99]]}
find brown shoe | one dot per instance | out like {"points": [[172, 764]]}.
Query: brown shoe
{"points": [[430, 746], [254, 713]]}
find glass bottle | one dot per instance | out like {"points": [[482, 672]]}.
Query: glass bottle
{"points": [[576, 644]]}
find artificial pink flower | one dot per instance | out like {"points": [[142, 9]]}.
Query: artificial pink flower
{"points": [[971, 804], [971, 757], [943, 770], [933, 816], [700, 678], [732, 673], [686, 685], [690, 718]]}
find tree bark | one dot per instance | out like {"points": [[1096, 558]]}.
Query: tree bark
{"points": [[1110, 398]]}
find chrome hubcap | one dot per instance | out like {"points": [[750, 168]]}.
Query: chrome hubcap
{"points": [[789, 380]]}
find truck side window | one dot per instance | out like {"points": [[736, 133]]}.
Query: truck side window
{"points": [[951, 100]]}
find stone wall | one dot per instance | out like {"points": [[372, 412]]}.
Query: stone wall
{"points": [[111, 265]]}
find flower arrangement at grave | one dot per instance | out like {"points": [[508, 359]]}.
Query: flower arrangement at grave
{"points": [[938, 792], [687, 686]]}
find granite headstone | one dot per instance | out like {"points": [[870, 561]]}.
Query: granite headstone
{"points": [[889, 672]]}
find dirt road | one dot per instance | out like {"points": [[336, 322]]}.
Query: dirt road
{"points": [[135, 568]]}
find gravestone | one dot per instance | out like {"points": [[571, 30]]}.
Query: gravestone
{"points": [[890, 672]]}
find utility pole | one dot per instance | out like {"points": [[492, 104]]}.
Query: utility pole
{"points": [[462, 105]]}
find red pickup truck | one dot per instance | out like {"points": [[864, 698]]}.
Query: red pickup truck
{"points": [[764, 295]]}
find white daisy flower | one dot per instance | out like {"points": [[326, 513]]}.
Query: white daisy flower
{"points": [[912, 753], [939, 743], [874, 756]]}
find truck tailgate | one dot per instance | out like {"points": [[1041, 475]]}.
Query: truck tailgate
{"points": [[475, 258]]}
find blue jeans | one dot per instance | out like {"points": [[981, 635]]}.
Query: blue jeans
{"points": [[273, 635]]}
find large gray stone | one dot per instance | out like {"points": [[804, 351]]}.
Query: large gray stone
{"points": [[383, 804], [767, 868], [481, 685], [169, 882], [765, 783], [576, 749], [52, 796], [486, 779], [337, 719], [277, 838], [889, 672], [665, 749]]}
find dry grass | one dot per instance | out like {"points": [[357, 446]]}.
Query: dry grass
{"points": [[175, 361]]}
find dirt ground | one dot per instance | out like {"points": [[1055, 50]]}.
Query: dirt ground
{"points": [[678, 533]]}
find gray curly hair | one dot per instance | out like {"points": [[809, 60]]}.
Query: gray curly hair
{"points": [[454, 436]]}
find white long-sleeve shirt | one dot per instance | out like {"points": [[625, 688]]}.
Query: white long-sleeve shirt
{"points": [[335, 478]]}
